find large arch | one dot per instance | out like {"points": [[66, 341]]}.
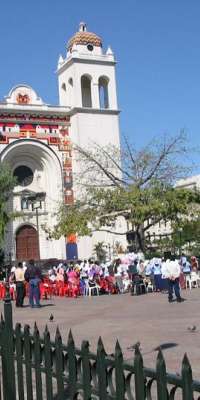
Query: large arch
{"points": [[47, 171]]}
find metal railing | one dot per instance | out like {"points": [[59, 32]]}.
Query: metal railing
{"points": [[34, 367]]}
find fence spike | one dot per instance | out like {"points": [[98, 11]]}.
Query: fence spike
{"points": [[18, 326], [26, 329], [46, 332], [161, 377], [58, 335], [118, 350], [187, 379], [160, 357], [70, 338], [137, 351], [85, 345], [100, 346], [36, 330]]}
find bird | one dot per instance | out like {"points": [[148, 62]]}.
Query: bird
{"points": [[192, 328], [51, 317], [137, 344]]}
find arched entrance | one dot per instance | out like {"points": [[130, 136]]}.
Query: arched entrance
{"points": [[27, 246]]}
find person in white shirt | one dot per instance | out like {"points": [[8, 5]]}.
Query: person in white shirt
{"points": [[172, 273]]}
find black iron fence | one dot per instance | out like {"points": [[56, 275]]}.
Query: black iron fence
{"points": [[36, 368]]}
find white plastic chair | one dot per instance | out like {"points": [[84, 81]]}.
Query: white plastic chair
{"points": [[149, 287], [188, 282], [91, 290], [195, 279], [192, 280]]}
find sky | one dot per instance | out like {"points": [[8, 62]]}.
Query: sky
{"points": [[156, 44]]}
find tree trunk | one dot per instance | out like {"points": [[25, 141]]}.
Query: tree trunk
{"points": [[140, 239]]}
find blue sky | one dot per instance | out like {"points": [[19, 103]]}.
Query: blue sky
{"points": [[156, 43]]}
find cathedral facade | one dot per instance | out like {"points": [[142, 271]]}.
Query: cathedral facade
{"points": [[35, 140]]}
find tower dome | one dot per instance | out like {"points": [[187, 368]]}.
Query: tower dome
{"points": [[84, 38]]}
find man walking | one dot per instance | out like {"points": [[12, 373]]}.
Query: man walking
{"points": [[20, 288], [34, 277], [172, 273]]}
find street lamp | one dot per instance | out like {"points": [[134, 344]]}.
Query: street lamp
{"points": [[180, 240], [35, 200]]}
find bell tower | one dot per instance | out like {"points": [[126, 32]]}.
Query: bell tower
{"points": [[87, 84]]}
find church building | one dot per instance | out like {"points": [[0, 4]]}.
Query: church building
{"points": [[35, 140]]}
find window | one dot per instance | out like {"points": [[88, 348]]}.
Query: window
{"points": [[103, 92], [90, 47], [70, 91], [24, 175], [24, 203], [64, 87], [86, 91]]}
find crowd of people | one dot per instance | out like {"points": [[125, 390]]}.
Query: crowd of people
{"points": [[129, 273]]}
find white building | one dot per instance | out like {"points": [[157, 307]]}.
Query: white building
{"points": [[35, 140]]}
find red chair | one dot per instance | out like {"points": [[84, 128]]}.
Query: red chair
{"points": [[74, 288], [12, 293], [2, 291], [43, 291]]}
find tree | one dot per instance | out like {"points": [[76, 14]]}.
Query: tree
{"points": [[7, 183], [138, 185], [99, 249]]}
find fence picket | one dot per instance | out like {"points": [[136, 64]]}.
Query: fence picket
{"points": [[37, 363], [7, 354], [187, 379], [119, 374], [86, 373], [161, 377], [101, 371], [48, 364], [28, 362], [19, 356], [72, 366], [139, 375], [59, 365]]}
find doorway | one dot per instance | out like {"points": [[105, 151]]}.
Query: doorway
{"points": [[27, 246]]}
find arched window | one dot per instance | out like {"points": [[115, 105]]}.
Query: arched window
{"points": [[70, 91], [86, 91], [64, 87], [103, 92]]}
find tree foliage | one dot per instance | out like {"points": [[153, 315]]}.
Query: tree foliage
{"points": [[7, 183], [72, 219], [138, 185]]}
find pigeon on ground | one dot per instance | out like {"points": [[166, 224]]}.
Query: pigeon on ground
{"points": [[137, 344], [192, 328], [51, 318]]}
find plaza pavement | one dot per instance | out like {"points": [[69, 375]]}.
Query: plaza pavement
{"points": [[149, 319]]}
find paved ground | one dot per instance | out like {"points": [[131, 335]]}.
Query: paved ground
{"points": [[149, 319]]}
